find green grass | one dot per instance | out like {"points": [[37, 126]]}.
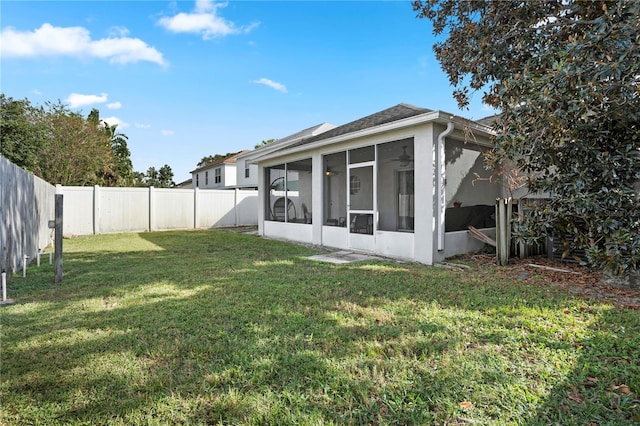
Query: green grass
{"points": [[220, 327]]}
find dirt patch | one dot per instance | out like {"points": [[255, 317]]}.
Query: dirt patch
{"points": [[571, 277]]}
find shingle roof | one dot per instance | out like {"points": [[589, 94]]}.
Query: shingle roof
{"points": [[395, 113], [311, 131], [230, 159], [488, 121]]}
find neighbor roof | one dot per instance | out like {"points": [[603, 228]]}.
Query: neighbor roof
{"points": [[229, 159], [288, 140]]}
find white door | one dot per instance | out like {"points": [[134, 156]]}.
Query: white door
{"points": [[360, 206]]}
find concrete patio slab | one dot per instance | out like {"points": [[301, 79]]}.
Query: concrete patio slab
{"points": [[341, 257]]}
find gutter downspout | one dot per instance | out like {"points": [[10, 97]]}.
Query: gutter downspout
{"points": [[440, 180]]}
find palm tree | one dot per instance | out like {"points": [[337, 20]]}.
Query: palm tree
{"points": [[121, 154]]}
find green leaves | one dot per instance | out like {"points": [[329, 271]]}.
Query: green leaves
{"points": [[61, 146], [566, 75]]}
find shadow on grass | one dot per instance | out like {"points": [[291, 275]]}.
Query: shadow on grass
{"points": [[222, 327]]}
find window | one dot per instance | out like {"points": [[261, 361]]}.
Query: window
{"points": [[217, 175], [354, 185], [246, 172], [206, 178], [289, 192], [197, 180]]}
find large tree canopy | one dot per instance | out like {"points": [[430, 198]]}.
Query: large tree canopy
{"points": [[565, 75], [63, 147]]}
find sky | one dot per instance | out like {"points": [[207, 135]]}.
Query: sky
{"points": [[187, 79]]}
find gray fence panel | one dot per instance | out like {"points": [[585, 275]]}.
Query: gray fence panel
{"points": [[89, 210], [216, 208], [247, 208], [78, 210], [122, 210], [26, 206], [174, 209]]}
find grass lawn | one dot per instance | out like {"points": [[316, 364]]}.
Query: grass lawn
{"points": [[219, 327]]}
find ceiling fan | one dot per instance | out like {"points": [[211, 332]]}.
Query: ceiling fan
{"points": [[404, 158]]}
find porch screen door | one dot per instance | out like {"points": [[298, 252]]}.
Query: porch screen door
{"points": [[360, 206]]}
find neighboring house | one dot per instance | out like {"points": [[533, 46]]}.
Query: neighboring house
{"points": [[247, 172], [185, 184], [402, 183], [220, 174]]}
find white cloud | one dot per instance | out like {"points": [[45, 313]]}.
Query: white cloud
{"points": [[273, 84], [115, 121], [142, 125], [204, 20], [167, 132], [76, 100], [114, 105], [37, 92], [76, 41], [118, 31]]}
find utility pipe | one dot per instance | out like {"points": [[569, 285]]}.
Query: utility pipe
{"points": [[24, 265], [440, 182]]}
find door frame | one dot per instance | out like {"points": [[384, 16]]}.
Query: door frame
{"points": [[358, 241]]}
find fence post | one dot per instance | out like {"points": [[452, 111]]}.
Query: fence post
{"points": [[58, 237], [96, 209], [235, 206], [503, 230], [196, 206], [152, 207]]}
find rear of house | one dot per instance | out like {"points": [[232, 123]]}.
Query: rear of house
{"points": [[402, 183]]}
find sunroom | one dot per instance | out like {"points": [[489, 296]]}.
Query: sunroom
{"points": [[405, 183]]}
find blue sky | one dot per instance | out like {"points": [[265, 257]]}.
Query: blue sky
{"points": [[187, 79]]}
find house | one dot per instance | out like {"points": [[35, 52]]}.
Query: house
{"points": [[402, 183], [187, 184], [219, 174], [247, 171]]}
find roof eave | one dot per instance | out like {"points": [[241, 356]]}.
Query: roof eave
{"points": [[432, 116]]}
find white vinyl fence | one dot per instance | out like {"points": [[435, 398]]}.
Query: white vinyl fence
{"points": [[27, 203], [99, 210]]}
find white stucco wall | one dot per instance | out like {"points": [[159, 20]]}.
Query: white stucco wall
{"points": [[459, 242]]}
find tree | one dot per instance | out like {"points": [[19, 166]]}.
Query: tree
{"points": [[123, 167], [162, 178], [61, 146], [264, 143], [22, 134], [121, 155], [565, 75], [165, 177], [211, 158], [76, 152]]}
